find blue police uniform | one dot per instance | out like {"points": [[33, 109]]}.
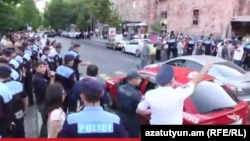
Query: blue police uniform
{"points": [[128, 97], [207, 44], [28, 52], [76, 92], [27, 64], [17, 67], [92, 121], [14, 75], [58, 59], [76, 62], [172, 48], [190, 47], [5, 109], [66, 76], [35, 51], [18, 95], [247, 57], [19, 59]]}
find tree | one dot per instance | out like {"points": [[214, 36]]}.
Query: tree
{"points": [[114, 20], [82, 22], [28, 14], [156, 27]]}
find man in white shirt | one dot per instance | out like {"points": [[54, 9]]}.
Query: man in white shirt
{"points": [[238, 55], [166, 102]]}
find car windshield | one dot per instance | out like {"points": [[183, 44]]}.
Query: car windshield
{"points": [[148, 41], [210, 96], [228, 69]]}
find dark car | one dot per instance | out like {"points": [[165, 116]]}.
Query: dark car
{"points": [[50, 34]]}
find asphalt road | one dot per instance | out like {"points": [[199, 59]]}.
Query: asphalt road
{"points": [[110, 62]]}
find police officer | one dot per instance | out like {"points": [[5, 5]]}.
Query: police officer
{"points": [[207, 46], [45, 58], [75, 52], [14, 75], [12, 62], [58, 59], [172, 49], [27, 73], [5, 106], [190, 46], [20, 101], [247, 57], [40, 83], [66, 76], [128, 98], [96, 123], [35, 50], [92, 72]]}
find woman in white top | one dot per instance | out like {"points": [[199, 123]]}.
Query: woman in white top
{"points": [[54, 97]]}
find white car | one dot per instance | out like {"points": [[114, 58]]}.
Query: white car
{"points": [[73, 34], [65, 33], [134, 46]]}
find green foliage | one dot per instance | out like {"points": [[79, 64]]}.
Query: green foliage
{"points": [[28, 14], [156, 27], [61, 13], [16, 17]]}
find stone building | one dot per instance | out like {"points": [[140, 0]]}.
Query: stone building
{"points": [[190, 16]]}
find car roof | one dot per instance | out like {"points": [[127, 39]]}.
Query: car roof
{"points": [[181, 74], [201, 59]]}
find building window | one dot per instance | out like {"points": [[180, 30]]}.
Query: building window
{"points": [[141, 3], [134, 4], [196, 14]]}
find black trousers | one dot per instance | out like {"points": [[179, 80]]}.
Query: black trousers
{"points": [[69, 104], [173, 51], [246, 63], [19, 128], [158, 55], [131, 123], [44, 115], [28, 87]]}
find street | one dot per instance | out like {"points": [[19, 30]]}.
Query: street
{"points": [[110, 62]]}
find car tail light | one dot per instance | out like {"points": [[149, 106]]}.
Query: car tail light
{"points": [[118, 43]]}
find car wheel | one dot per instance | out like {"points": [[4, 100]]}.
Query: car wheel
{"points": [[123, 50], [114, 47], [137, 53], [107, 46]]}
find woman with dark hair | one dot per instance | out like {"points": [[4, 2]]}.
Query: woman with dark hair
{"points": [[54, 98]]}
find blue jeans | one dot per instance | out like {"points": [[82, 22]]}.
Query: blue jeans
{"points": [[237, 62]]}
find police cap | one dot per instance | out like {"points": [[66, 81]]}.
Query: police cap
{"points": [[164, 75], [91, 86], [68, 58], [7, 51], [5, 71], [21, 48], [46, 49], [133, 74], [58, 46]]}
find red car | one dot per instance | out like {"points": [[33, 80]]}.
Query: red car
{"points": [[211, 104]]}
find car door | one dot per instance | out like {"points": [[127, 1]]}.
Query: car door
{"points": [[193, 65], [177, 62], [132, 46]]}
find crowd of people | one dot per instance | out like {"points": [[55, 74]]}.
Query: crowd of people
{"points": [[235, 49], [33, 71]]}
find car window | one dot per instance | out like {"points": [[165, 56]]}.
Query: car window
{"points": [[148, 42], [178, 63], [133, 42], [193, 65], [228, 69], [217, 97]]}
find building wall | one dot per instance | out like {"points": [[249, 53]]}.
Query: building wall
{"points": [[214, 15]]}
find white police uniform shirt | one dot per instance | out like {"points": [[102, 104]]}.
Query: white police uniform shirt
{"points": [[166, 104]]}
